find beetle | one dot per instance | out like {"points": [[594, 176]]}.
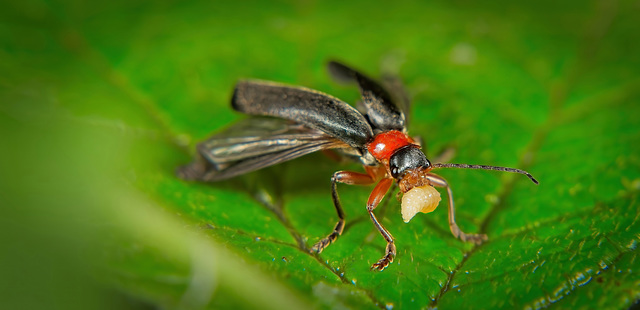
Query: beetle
{"points": [[287, 122]]}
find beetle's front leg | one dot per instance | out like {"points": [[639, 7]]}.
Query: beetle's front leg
{"points": [[438, 181], [374, 199], [346, 177]]}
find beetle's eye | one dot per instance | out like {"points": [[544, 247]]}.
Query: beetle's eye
{"points": [[394, 171]]}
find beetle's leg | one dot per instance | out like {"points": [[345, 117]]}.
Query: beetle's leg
{"points": [[374, 199], [446, 155], [346, 177], [333, 155], [437, 180]]}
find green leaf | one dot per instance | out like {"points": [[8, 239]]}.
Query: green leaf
{"points": [[100, 103]]}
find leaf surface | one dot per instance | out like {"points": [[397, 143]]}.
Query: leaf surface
{"points": [[121, 92]]}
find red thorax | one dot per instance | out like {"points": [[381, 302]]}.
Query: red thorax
{"points": [[386, 143]]}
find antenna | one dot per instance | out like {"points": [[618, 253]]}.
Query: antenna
{"points": [[465, 166]]}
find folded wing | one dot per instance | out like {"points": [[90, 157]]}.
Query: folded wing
{"points": [[252, 144], [381, 109], [308, 107]]}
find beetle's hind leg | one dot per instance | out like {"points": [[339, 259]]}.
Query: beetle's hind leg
{"points": [[438, 181], [346, 177]]}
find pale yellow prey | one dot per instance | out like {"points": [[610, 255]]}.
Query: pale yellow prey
{"points": [[423, 199]]}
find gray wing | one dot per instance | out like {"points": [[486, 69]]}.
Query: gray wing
{"points": [[305, 106], [396, 88], [382, 111], [252, 144]]}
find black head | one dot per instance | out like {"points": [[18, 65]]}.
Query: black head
{"points": [[407, 158]]}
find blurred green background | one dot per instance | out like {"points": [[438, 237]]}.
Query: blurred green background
{"points": [[100, 102]]}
